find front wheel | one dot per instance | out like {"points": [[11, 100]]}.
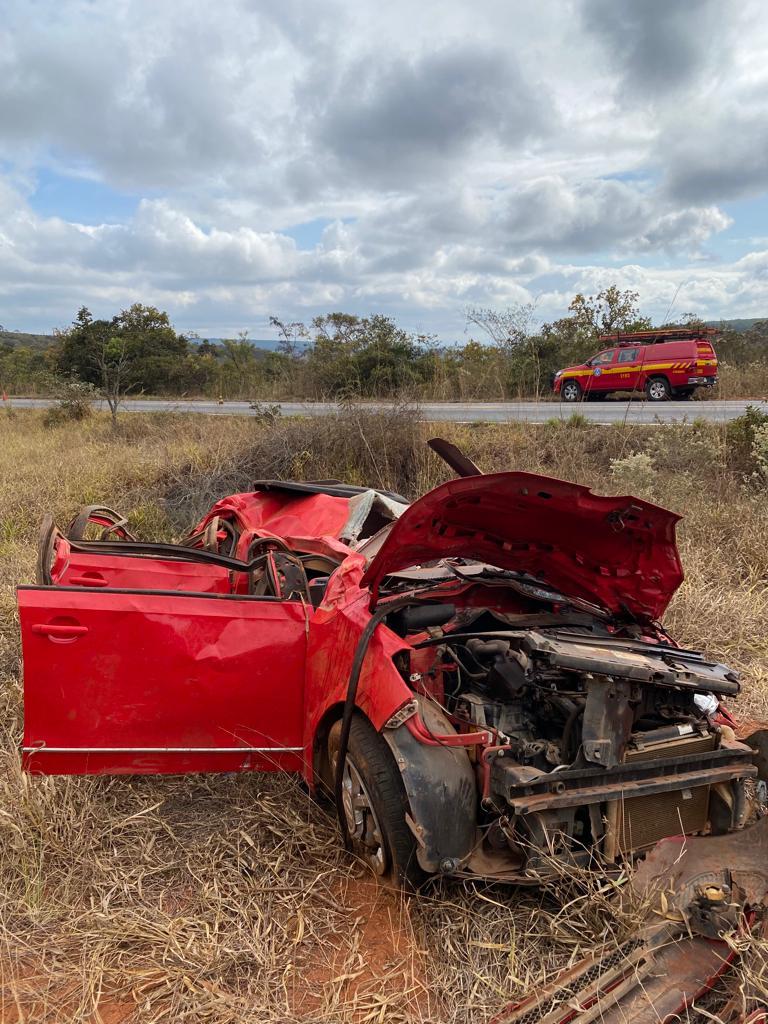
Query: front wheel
{"points": [[375, 805], [570, 391], [657, 390]]}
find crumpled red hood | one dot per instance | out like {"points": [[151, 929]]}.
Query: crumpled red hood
{"points": [[619, 553]]}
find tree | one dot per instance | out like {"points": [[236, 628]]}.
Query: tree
{"points": [[366, 356], [23, 369], [612, 309], [574, 338], [239, 353], [290, 335], [114, 366], [506, 327], [139, 341], [509, 329], [154, 352], [91, 353], [78, 347], [207, 348]]}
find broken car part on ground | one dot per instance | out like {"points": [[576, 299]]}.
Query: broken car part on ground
{"points": [[479, 678]]}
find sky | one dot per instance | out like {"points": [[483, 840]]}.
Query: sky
{"points": [[229, 161]]}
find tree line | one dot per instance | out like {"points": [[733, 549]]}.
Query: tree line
{"points": [[337, 355]]}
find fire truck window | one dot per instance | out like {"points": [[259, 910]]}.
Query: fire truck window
{"points": [[628, 355], [602, 358]]}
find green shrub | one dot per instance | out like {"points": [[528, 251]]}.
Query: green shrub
{"points": [[696, 447], [576, 421], [634, 474], [740, 439], [760, 452], [266, 412], [74, 399]]}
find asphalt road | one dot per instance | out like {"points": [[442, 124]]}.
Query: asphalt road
{"points": [[637, 411]]}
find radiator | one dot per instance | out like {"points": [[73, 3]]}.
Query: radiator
{"points": [[640, 821], [643, 820]]}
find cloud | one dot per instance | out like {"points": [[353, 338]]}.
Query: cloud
{"points": [[552, 215], [721, 157], [689, 229], [658, 45], [404, 257], [488, 154], [130, 92], [547, 215], [393, 120]]}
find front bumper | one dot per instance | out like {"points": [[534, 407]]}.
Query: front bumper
{"points": [[630, 806]]}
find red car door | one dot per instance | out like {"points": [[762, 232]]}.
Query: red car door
{"points": [[628, 365], [145, 682], [601, 378]]}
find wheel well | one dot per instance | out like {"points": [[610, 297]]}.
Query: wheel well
{"points": [[322, 780], [434, 779]]}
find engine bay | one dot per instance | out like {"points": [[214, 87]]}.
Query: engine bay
{"points": [[603, 735]]}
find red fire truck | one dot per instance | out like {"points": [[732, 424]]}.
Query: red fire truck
{"points": [[662, 364]]}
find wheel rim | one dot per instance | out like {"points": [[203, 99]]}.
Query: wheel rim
{"points": [[657, 390], [362, 823], [570, 392]]}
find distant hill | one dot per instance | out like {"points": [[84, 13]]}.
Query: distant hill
{"points": [[741, 325], [268, 344], [22, 340]]}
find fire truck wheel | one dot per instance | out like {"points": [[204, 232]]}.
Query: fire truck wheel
{"points": [[570, 391], [657, 389], [375, 805]]}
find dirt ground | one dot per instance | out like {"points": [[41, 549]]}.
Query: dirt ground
{"points": [[376, 956], [227, 899]]}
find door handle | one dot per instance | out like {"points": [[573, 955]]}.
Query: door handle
{"points": [[59, 631], [88, 581]]}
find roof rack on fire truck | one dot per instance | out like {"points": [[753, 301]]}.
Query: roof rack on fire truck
{"points": [[658, 335]]}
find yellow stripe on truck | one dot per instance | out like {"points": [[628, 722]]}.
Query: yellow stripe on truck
{"points": [[631, 368]]}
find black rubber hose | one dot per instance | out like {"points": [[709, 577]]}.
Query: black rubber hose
{"points": [[568, 729], [349, 704]]}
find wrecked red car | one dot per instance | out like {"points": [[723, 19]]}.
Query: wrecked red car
{"points": [[480, 678]]}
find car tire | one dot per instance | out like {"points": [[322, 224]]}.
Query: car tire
{"points": [[375, 806], [657, 389], [570, 391]]}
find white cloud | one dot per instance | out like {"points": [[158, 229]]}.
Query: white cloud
{"points": [[462, 153]]}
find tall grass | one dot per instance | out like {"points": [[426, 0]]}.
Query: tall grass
{"points": [[226, 899]]}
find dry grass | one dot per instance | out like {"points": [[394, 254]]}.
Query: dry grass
{"points": [[747, 380], [227, 898]]}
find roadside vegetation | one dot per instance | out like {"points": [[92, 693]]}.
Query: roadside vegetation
{"points": [[227, 899], [503, 355]]}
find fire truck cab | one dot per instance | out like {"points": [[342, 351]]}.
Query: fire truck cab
{"points": [[662, 364]]}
